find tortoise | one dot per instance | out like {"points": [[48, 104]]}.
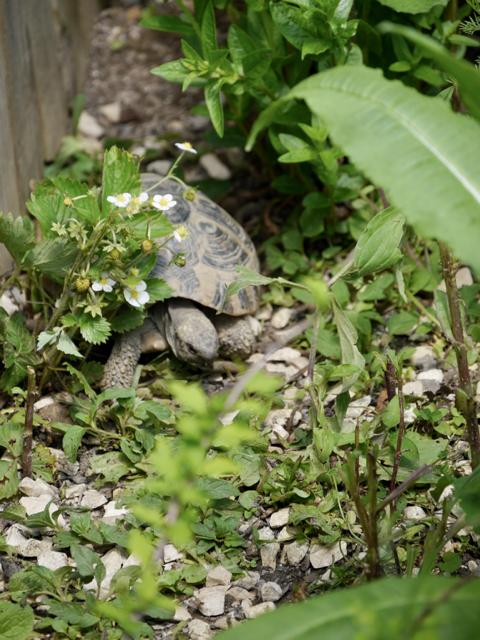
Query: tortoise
{"points": [[199, 323]]}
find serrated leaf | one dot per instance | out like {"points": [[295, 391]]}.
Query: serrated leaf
{"points": [[120, 175], [66, 345], [127, 319], [9, 479], [158, 289], [94, 330], [16, 621], [52, 258], [404, 141], [17, 234], [86, 560], [46, 337], [377, 247]]}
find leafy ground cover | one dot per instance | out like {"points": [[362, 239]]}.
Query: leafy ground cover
{"points": [[341, 469]]}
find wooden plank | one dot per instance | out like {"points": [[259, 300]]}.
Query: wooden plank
{"points": [[46, 63], [21, 94]]}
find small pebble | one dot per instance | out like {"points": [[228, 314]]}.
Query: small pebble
{"points": [[112, 513], [249, 580], [52, 560], [296, 552], [323, 556], [431, 379], [285, 535], [37, 504], [281, 318], [414, 513], [181, 614], [171, 554], [424, 357], [93, 499], [199, 630], [89, 126], [414, 389], [211, 600], [215, 167], [240, 594], [257, 609], [218, 576], [35, 488], [279, 518], [271, 592]]}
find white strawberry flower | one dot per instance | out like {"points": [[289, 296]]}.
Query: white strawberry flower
{"points": [[180, 233], [163, 203], [137, 295], [104, 283], [121, 200], [136, 202], [186, 146]]}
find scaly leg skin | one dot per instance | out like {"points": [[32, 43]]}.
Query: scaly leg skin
{"points": [[235, 335], [120, 366]]}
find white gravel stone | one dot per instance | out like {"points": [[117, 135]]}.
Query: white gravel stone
{"points": [[240, 594], [285, 535], [36, 504], [281, 318], [113, 561], [14, 537], [265, 534], [257, 609], [296, 552], [264, 313], [93, 499], [218, 576], [269, 553], [44, 402], [181, 614], [112, 513], [249, 580], [215, 167], [410, 415], [52, 560], [446, 493], [112, 111], [211, 600], [89, 126], [271, 592], [35, 488], [280, 369], [171, 554], [289, 356], [279, 518], [35, 548], [431, 379], [414, 513], [323, 556], [357, 407], [199, 630], [75, 491], [228, 418], [424, 357], [414, 389], [277, 418]]}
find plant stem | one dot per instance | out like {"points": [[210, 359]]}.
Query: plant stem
{"points": [[464, 396], [374, 569], [28, 430], [400, 435]]}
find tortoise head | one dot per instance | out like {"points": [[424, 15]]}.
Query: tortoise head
{"points": [[190, 334]]}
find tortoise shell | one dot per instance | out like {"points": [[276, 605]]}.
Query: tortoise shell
{"points": [[214, 247]]}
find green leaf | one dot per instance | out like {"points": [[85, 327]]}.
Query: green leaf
{"points": [[127, 319], [402, 323], [246, 278], [16, 621], [120, 175], [348, 344], [158, 290], [72, 613], [377, 248], [8, 479], [412, 6], [111, 466], [164, 22], [395, 606], [94, 330], [66, 345], [415, 147], [173, 71], [18, 350], [467, 76], [72, 440], [215, 108], [85, 559], [52, 258], [208, 33], [17, 234], [391, 413]]}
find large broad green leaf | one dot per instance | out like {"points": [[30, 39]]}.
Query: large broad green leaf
{"points": [[422, 154], [467, 76], [412, 6], [16, 621], [120, 175], [393, 608], [17, 234]]}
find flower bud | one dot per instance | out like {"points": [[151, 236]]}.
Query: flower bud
{"points": [[190, 195], [114, 254], [179, 260], [147, 246], [82, 284], [68, 202]]}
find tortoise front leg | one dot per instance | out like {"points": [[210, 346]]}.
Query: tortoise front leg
{"points": [[120, 366]]}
